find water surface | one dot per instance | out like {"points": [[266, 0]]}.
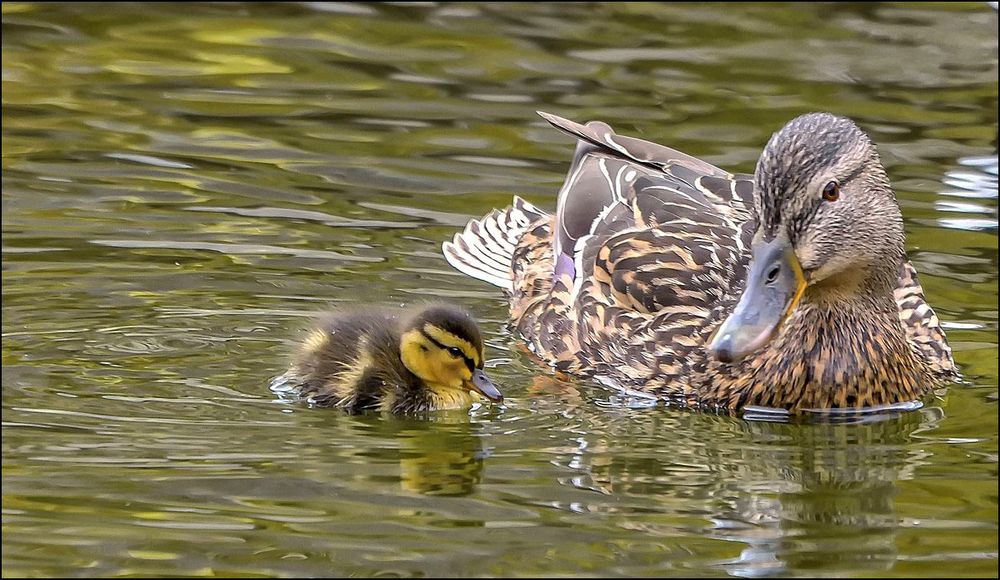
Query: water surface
{"points": [[184, 186]]}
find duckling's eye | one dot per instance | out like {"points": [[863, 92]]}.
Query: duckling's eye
{"points": [[831, 191], [455, 351]]}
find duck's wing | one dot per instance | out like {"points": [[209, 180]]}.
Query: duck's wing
{"points": [[652, 155], [664, 257], [922, 326], [486, 248], [618, 184]]}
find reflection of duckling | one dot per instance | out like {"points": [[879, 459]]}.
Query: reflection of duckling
{"points": [[444, 456], [392, 361]]}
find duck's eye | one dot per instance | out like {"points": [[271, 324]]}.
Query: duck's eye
{"points": [[831, 191], [455, 351]]}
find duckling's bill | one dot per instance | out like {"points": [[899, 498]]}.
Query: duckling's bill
{"points": [[482, 384], [774, 287]]}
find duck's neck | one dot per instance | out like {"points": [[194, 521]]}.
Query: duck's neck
{"points": [[837, 352]]}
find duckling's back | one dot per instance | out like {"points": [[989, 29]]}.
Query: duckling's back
{"points": [[347, 361]]}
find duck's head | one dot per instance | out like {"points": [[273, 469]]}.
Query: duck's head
{"points": [[829, 229], [443, 348]]}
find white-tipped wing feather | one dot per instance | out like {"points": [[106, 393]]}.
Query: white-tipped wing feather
{"points": [[485, 248]]}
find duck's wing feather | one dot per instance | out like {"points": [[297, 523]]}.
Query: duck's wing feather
{"points": [[922, 326], [628, 208], [485, 248], [646, 243], [652, 155], [616, 182]]}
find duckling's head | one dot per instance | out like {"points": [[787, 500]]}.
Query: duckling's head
{"points": [[829, 228], [442, 346]]}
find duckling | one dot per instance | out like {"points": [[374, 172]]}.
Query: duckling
{"points": [[390, 360]]}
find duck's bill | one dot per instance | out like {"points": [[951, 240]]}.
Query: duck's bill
{"points": [[774, 286], [484, 386]]}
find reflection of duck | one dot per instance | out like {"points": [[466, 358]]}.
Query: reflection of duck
{"points": [[793, 498], [391, 361], [826, 501], [663, 274]]}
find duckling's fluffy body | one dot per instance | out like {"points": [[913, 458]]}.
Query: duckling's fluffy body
{"points": [[662, 274], [400, 361]]}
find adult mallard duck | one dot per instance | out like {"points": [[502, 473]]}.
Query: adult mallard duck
{"points": [[390, 360], [662, 274]]}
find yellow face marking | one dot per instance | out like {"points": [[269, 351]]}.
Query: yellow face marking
{"points": [[439, 370], [800, 286], [448, 339]]}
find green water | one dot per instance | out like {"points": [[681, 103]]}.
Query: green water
{"points": [[185, 185]]}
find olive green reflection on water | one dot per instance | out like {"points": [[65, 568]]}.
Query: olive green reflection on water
{"points": [[186, 185]]}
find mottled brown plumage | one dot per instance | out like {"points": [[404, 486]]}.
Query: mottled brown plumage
{"points": [[391, 360], [662, 274]]}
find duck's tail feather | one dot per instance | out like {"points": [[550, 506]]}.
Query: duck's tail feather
{"points": [[485, 248]]}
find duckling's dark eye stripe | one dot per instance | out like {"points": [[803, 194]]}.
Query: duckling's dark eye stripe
{"points": [[468, 361], [452, 339]]}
